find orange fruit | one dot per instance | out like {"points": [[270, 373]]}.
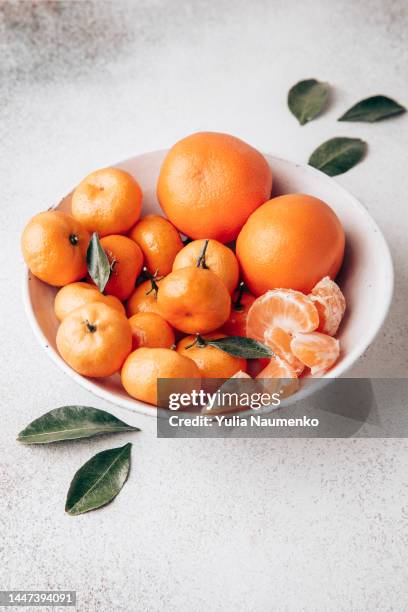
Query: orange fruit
{"points": [[211, 361], [107, 201], [159, 241], [94, 340], [330, 304], [194, 300], [210, 183], [74, 295], [144, 298], [144, 366], [235, 325], [151, 330], [54, 247], [291, 241], [217, 257], [317, 351], [126, 261]]}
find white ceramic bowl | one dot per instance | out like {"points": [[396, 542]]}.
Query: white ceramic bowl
{"points": [[366, 277]]}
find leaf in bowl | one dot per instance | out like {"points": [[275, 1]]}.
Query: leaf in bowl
{"points": [[98, 263], [238, 346]]}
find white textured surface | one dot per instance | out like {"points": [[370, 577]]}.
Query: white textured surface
{"points": [[281, 525]]}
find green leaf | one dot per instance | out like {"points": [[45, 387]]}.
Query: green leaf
{"points": [[99, 480], [307, 98], [71, 423], [373, 109], [98, 263], [240, 347], [338, 155]]}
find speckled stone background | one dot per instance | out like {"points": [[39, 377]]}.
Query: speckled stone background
{"points": [[203, 525]]}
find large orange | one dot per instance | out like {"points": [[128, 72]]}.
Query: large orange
{"points": [[290, 242], [145, 365], [159, 241], [194, 300], [210, 183], [216, 257], [107, 201], [54, 247], [126, 261], [94, 340], [210, 360], [74, 295]]}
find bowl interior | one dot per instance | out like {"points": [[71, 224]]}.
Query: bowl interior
{"points": [[366, 277]]}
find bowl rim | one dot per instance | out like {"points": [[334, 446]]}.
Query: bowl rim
{"points": [[136, 406]]}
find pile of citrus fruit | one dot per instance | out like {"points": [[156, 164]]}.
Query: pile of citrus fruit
{"points": [[225, 260]]}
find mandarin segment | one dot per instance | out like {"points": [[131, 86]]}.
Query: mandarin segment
{"points": [[331, 305], [159, 241], [316, 350], [107, 201], [228, 389], [277, 368], [279, 341], [278, 377], [289, 310], [210, 183]]}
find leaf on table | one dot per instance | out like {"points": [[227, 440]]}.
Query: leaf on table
{"points": [[71, 423], [373, 109], [99, 480], [307, 98], [338, 155], [98, 263]]}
